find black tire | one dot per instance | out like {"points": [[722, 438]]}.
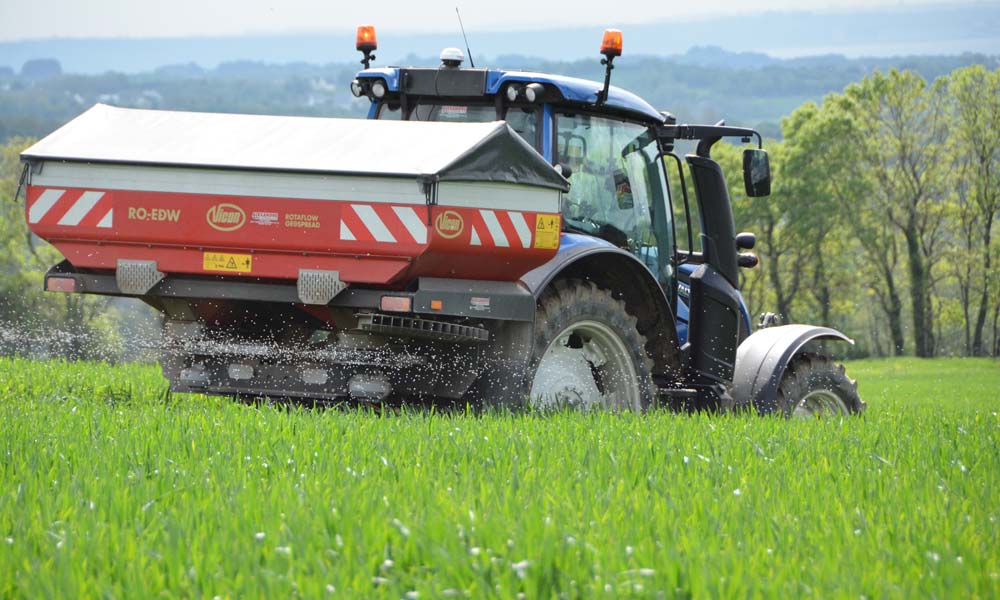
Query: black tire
{"points": [[582, 317], [813, 386]]}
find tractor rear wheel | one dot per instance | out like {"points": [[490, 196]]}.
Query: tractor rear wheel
{"points": [[814, 386], [587, 353]]}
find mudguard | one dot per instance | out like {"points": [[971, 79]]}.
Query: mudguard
{"points": [[572, 248], [762, 358], [593, 259]]}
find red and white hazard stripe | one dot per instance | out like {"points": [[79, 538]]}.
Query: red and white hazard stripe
{"points": [[403, 225], [71, 209], [500, 228], [382, 223]]}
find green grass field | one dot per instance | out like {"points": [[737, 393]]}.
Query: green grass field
{"points": [[111, 488]]}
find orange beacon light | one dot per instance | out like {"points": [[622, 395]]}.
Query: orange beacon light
{"points": [[366, 43], [611, 45], [366, 38]]}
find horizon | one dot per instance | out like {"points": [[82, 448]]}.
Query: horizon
{"points": [[66, 20], [884, 30]]}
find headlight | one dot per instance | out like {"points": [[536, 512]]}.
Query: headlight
{"points": [[356, 88], [512, 91], [533, 91], [378, 89]]}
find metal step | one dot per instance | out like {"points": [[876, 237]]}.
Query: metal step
{"points": [[136, 277]]}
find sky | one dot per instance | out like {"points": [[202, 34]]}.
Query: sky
{"points": [[41, 19]]}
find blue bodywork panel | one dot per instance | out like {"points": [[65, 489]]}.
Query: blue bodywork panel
{"points": [[569, 241], [390, 74], [577, 90], [547, 132], [682, 320], [573, 89], [683, 293]]}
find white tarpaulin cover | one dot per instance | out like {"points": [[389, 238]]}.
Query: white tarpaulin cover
{"points": [[446, 151]]}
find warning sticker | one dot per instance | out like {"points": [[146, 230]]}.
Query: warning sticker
{"points": [[229, 263], [547, 231]]}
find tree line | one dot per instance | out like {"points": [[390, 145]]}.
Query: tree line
{"points": [[703, 85], [882, 220], [881, 223]]}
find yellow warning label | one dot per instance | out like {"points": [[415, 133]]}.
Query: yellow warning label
{"points": [[229, 263], [547, 231]]}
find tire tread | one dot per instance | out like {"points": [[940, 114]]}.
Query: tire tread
{"points": [[809, 372]]}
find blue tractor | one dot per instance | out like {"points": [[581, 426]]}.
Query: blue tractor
{"points": [[486, 236], [635, 309]]}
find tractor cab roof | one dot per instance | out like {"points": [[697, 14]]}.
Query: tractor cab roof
{"points": [[485, 83]]}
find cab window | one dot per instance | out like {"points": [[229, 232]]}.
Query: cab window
{"points": [[617, 187], [522, 119], [687, 231], [454, 113]]}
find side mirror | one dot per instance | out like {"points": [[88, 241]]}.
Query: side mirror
{"points": [[756, 173]]}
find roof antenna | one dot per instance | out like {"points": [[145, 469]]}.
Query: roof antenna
{"points": [[467, 50]]}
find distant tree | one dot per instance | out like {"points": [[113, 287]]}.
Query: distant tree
{"points": [[31, 320], [180, 71], [41, 68], [823, 156], [973, 96], [819, 221], [898, 131]]}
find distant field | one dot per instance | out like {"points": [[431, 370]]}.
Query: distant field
{"points": [[111, 488]]}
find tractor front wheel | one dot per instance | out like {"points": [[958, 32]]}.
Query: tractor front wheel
{"points": [[815, 386]]}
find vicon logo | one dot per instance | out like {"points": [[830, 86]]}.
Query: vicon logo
{"points": [[226, 217], [449, 224]]}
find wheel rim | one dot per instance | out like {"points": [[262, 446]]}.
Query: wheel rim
{"points": [[819, 403], [586, 367]]}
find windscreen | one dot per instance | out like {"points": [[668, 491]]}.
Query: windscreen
{"points": [[617, 190]]}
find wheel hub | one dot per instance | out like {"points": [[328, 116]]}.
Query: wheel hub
{"points": [[819, 403], [586, 366]]}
